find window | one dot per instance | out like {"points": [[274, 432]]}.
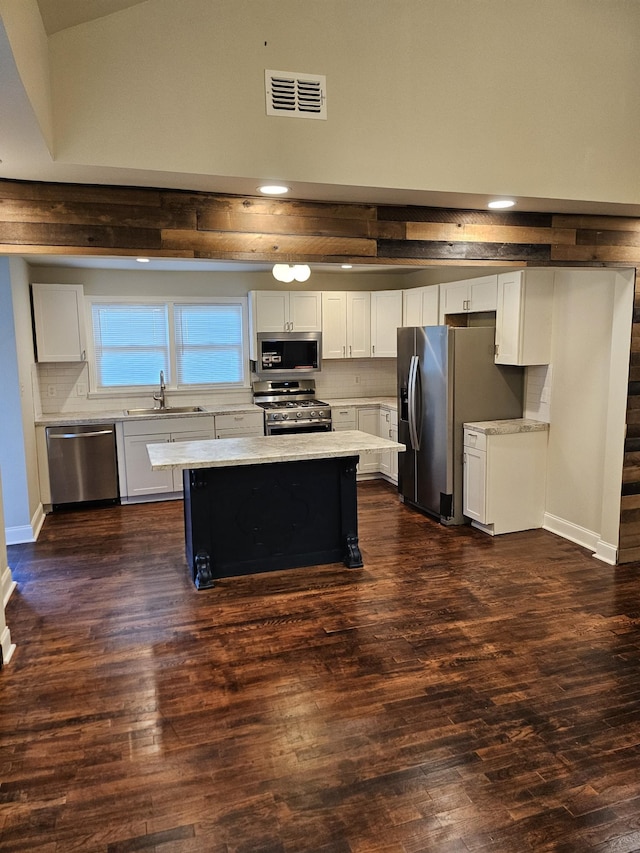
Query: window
{"points": [[195, 344], [209, 344]]}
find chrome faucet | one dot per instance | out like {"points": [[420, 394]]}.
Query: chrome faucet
{"points": [[159, 398]]}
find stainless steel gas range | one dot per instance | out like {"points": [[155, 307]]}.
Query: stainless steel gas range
{"points": [[290, 406]]}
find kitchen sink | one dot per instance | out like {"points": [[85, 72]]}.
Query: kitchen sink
{"points": [[168, 410]]}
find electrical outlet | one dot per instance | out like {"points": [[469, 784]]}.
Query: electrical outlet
{"points": [[51, 390], [356, 379], [81, 389]]}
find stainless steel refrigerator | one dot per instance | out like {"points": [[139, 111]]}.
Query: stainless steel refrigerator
{"points": [[446, 377]]}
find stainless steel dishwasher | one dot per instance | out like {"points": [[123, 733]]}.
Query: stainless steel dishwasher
{"points": [[83, 464]]}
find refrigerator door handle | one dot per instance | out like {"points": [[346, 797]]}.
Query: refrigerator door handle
{"points": [[413, 433]]}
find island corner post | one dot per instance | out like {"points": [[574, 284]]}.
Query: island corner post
{"points": [[259, 518]]}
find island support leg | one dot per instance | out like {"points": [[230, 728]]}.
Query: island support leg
{"points": [[349, 513]]}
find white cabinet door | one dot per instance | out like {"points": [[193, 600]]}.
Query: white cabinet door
{"points": [[334, 324], [58, 314], [141, 480], [474, 487], [346, 324], [453, 298], [368, 421], [483, 293], [386, 319], [358, 324], [469, 296], [271, 308], [420, 306], [305, 311], [524, 317]]}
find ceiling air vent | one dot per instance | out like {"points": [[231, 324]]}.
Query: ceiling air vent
{"points": [[295, 95]]}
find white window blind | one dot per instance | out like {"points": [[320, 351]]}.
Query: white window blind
{"points": [[209, 344], [131, 344]]}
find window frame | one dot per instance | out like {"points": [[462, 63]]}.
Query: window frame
{"points": [[170, 301]]}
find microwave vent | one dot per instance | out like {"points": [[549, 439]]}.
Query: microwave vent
{"points": [[290, 93]]}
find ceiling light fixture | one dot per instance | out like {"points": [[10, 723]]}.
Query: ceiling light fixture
{"points": [[142, 260], [273, 189], [501, 203], [288, 273], [346, 266]]}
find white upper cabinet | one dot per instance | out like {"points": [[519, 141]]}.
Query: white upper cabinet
{"points": [[286, 311], [346, 324], [470, 295], [58, 314], [523, 317], [420, 306], [386, 318]]}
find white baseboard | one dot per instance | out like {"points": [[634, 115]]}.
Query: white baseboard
{"points": [[7, 585], [26, 532], [572, 532], [606, 552], [8, 648]]}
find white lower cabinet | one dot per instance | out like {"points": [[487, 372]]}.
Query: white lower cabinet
{"points": [[344, 418], [240, 425], [388, 428], [368, 421], [140, 482], [504, 479]]}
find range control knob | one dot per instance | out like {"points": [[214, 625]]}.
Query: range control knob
{"points": [[285, 416], [320, 414], [312, 414], [298, 414], [276, 417]]}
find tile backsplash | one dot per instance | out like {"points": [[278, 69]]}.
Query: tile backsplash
{"points": [[60, 388]]}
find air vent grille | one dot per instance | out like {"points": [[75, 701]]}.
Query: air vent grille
{"points": [[295, 95]]}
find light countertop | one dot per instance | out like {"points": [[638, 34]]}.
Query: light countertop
{"points": [[389, 402], [103, 417], [228, 452], [506, 427]]}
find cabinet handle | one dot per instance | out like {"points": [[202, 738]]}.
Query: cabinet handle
{"points": [[350, 350], [496, 350], [83, 355], [344, 350], [373, 349]]}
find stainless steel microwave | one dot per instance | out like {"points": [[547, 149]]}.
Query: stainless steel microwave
{"points": [[282, 353]]}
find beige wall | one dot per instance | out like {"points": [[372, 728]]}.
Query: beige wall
{"points": [[590, 362], [530, 97]]}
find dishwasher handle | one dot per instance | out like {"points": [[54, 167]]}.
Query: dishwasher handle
{"points": [[80, 434]]}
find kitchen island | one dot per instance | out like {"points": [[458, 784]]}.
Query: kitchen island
{"points": [[271, 502]]}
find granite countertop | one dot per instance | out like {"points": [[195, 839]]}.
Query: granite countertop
{"points": [[505, 427], [228, 452], [390, 402], [72, 418]]}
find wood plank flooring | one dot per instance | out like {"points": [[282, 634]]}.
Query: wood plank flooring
{"points": [[458, 693]]}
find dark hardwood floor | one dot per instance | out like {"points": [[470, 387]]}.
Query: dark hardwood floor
{"points": [[458, 693]]}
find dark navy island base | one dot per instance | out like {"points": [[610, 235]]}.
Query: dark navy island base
{"points": [[246, 519]]}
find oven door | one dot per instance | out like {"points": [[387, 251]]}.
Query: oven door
{"points": [[291, 428]]}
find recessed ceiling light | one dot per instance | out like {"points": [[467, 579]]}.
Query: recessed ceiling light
{"points": [[501, 203], [346, 266], [142, 260], [273, 189]]}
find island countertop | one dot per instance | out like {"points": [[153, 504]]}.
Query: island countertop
{"points": [[261, 450]]}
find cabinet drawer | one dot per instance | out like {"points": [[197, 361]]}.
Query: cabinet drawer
{"points": [[240, 421], [160, 424], [343, 418], [475, 439]]}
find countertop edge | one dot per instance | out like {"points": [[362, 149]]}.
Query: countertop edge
{"points": [[507, 427]]}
